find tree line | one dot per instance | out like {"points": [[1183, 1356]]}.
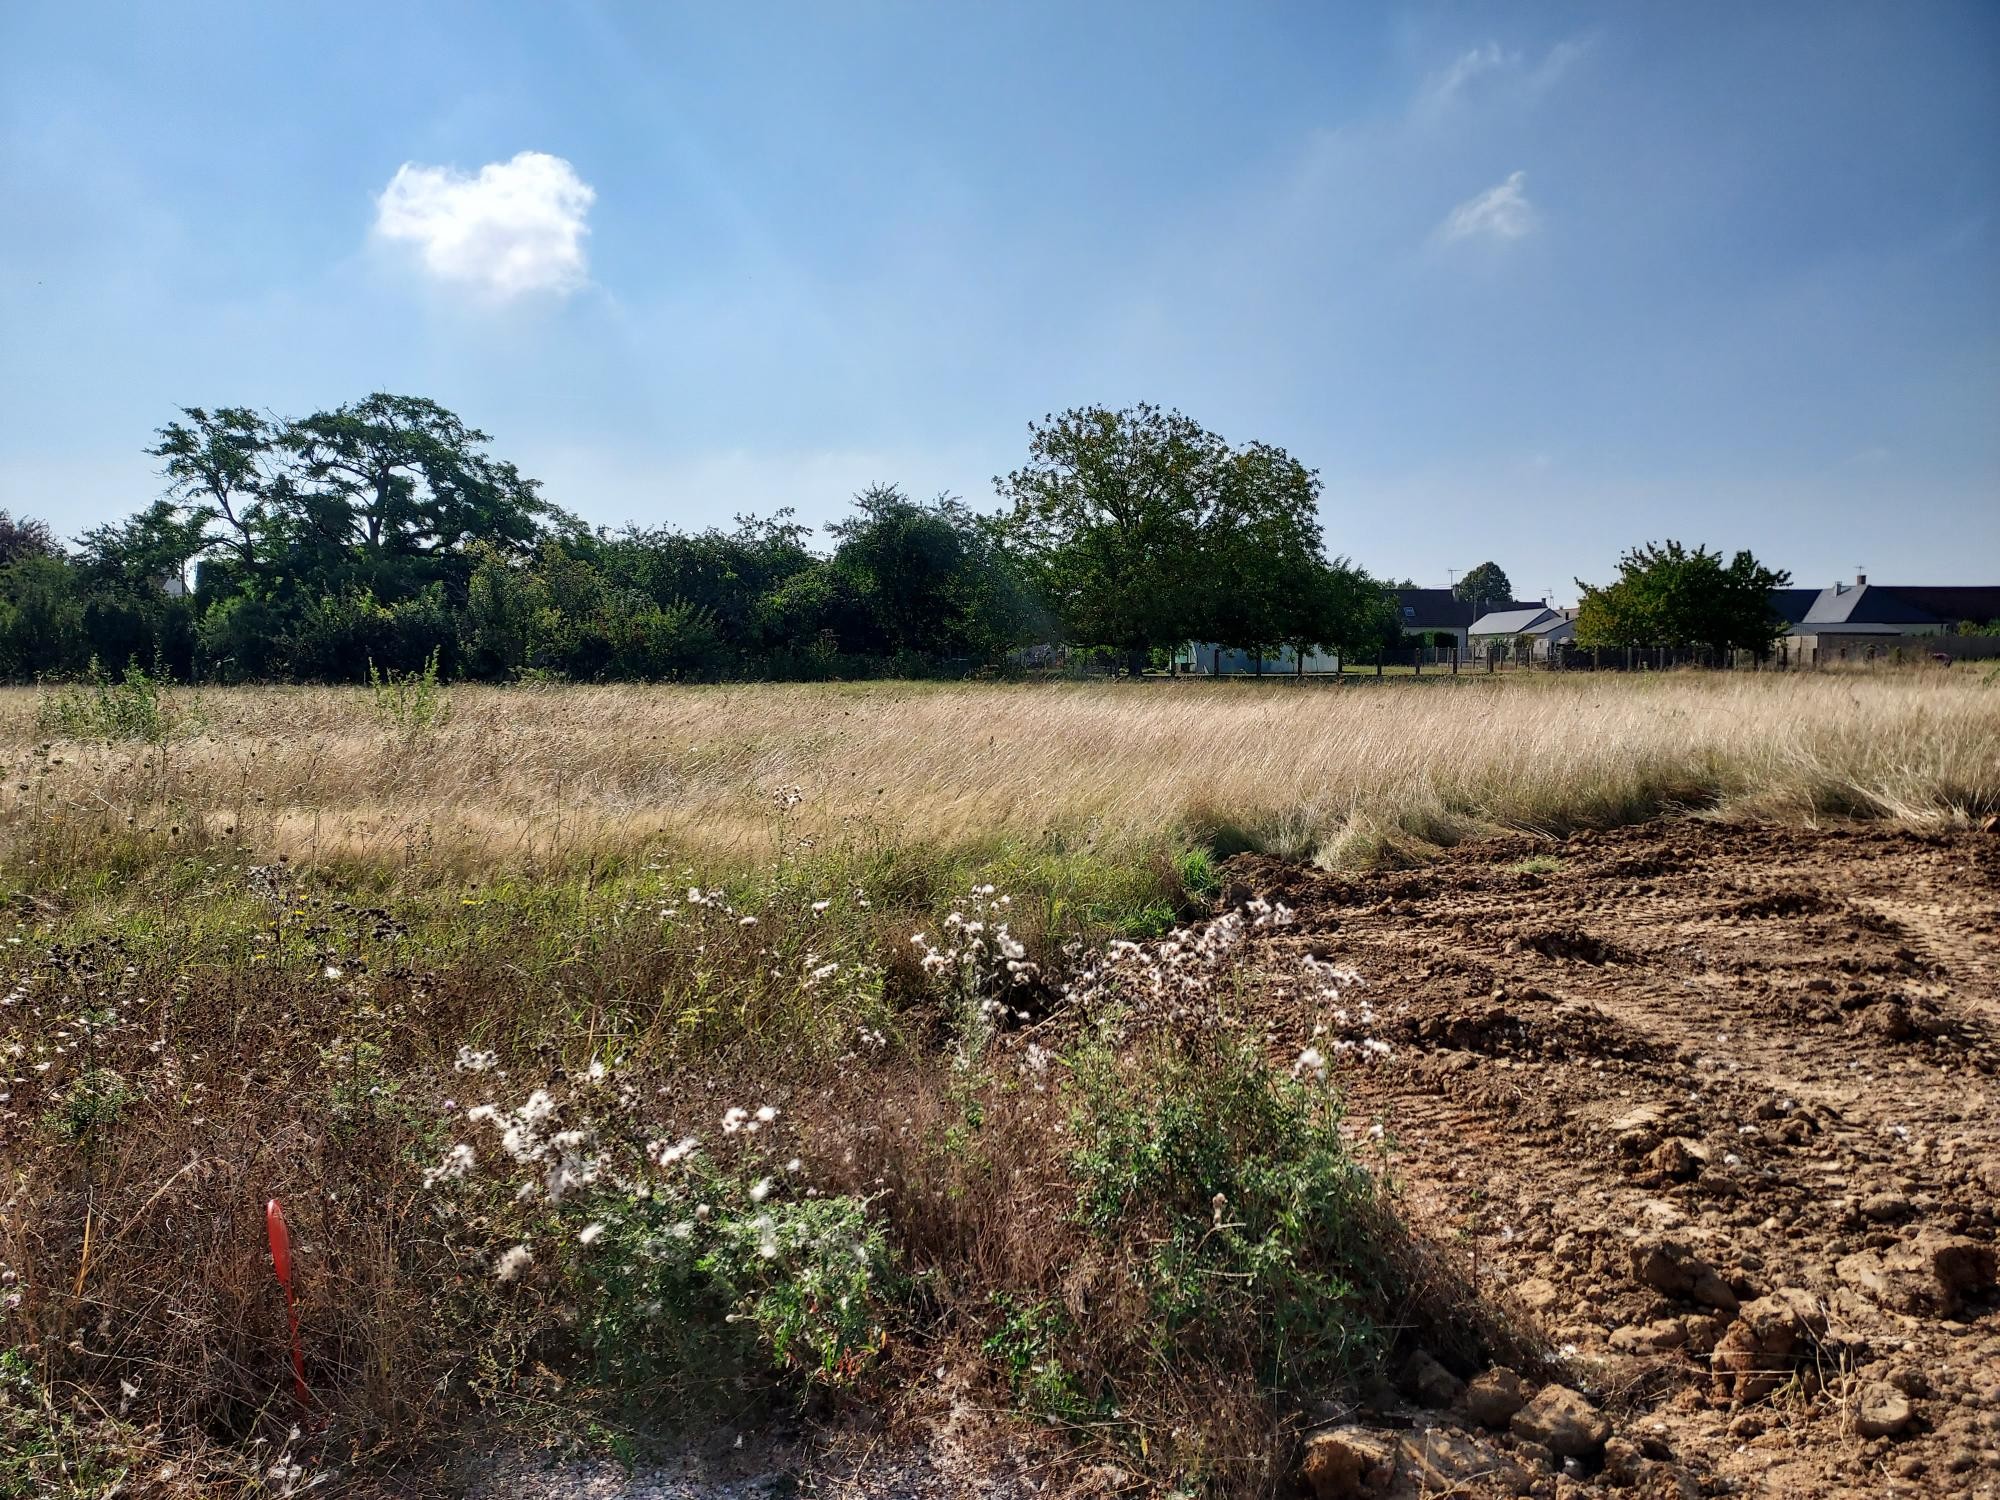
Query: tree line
{"points": [[383, 534]]}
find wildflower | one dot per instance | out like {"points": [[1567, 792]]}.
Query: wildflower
{"points": [[333, 971], [746, 921], [1312, 1061], [820, 906], [794, 1165], [470, 1061], [766, 1115], [732, 1120], [666, 1155], [825, 971], [589, 1233], [457, 1162], [761, 1191], [596, 1072], [513, 1263]]}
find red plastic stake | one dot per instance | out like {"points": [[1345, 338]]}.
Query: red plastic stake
{"points": [[281, 1262]]}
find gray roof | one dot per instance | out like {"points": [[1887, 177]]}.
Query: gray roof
{"points": [[1881, 609], [1518, 622]]}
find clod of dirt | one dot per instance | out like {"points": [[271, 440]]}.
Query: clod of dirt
{"points": [[1677, 1160], [1493, 1396], [1668, 1266], [1662, 1337], [1770, 1337], [1934, 1273], [1349, 1464], [1563, 1422], [1883, 1412], [1424, 1379], [1885, 1207], [1576, 945]]}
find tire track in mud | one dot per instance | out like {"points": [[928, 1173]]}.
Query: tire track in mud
{"points": [[1778, 1048]]}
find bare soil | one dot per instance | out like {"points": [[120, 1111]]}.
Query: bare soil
{"points": [[1628, 1059]]}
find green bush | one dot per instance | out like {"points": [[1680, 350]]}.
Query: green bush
{"points": [[410, 704], [135, 706], [1263, 1230]]}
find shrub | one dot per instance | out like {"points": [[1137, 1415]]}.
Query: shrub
{"points": [[1264, 1232], [135, 706], [410, 704]]}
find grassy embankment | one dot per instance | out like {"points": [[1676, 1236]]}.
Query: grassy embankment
{"points": [[285, 942]]}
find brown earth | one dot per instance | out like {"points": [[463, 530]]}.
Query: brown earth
{"points": [[1714, 1107]]}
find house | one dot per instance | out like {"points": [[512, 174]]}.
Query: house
{"points": [[1860, 620], [1541, 626], [1438, 617], [1207, 659]]}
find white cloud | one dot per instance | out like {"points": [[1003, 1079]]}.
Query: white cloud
{"points": [[514, 227], [1515, 78], [1441, 88], [1500, 213]]}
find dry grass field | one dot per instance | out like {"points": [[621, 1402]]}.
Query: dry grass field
{"points": [[628, 1058], [559, 777]]}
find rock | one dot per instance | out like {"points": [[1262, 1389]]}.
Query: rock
{"points": [[1349, 1463], [1884, 1411], [1759, 1351], [1934, 1273], [1885, 1208], [1669, 1266], [1561, 1421], [1443, 1461], [1495, 1395], [1424, 1379]]}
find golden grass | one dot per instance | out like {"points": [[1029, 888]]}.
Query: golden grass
{"points": [[534, 777]]}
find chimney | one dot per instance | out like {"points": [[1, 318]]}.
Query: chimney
{"points": [[1861, 580]]}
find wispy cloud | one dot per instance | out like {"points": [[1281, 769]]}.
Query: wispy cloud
{"points": [[1493, 69], [1499, 213], [1444, 86], [512, 228]]}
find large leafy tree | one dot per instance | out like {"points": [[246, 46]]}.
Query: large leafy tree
{"points": [[220, 466], [25, 536], [1143, 529], [1485, 586], [1668, 595], [1110, 515], [929, 579], [402, 476]]}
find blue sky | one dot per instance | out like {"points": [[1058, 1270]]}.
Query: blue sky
{"points": [[1528, 283]]}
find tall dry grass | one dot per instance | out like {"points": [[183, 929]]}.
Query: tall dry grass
{"points": [[542, 777]]}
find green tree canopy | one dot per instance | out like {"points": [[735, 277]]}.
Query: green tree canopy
{"points": [[1485, 586], [1142, 529], [1667, 595]]}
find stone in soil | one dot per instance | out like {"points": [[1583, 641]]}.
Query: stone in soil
{"points": [[1883, 1412], [1563, 1422], [1760, 1350], [1495, 1395]]}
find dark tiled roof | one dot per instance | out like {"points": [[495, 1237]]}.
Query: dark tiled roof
{"points": [[1792, 604], [1440, 609], [1953, 604]]}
